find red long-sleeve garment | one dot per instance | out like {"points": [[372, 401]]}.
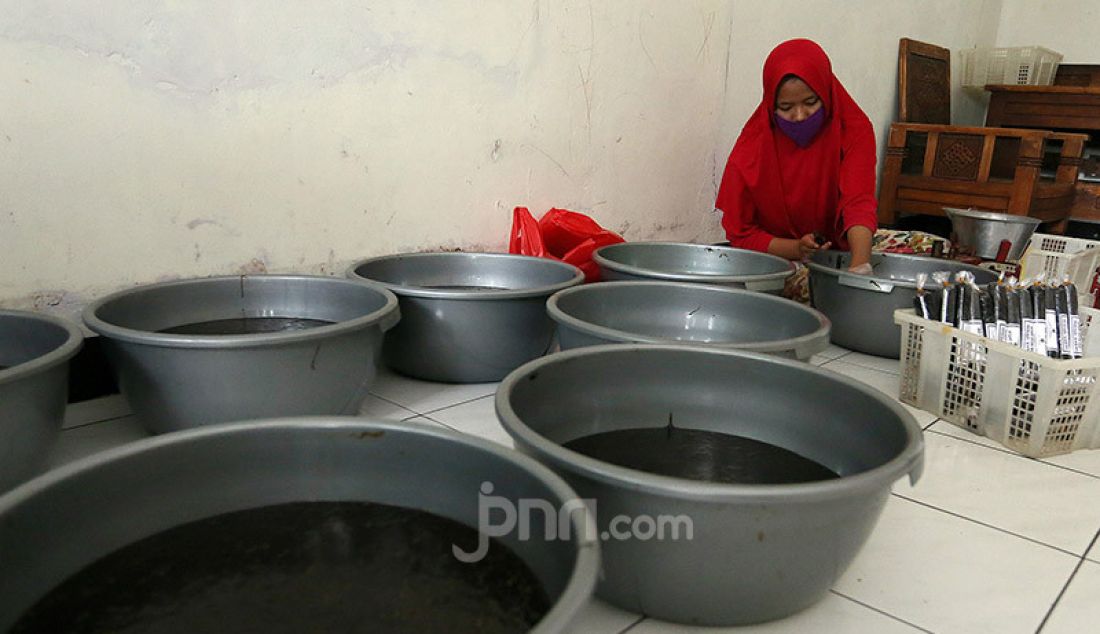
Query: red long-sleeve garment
{"points": [[774, 189]]}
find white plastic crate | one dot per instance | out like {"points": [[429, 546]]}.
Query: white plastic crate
{"points": [[1028, 402], [1018, 65], [1058, 257]]}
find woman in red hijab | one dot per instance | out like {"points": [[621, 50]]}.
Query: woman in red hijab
{"points": [[803, 165]]}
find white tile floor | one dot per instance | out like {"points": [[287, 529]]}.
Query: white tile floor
{"points": [[988, 541]]}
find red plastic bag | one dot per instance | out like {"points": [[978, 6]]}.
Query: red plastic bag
{"points": [[561, 235], [526, 238], [562, 230], [580, 256]]}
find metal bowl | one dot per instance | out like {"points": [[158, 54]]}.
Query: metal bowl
{"points": [[698, 263], [176, 381], [985, 231], [59, 523], [467, 317], [862, 307], [755, 552], [34, 384], [670, 312]]}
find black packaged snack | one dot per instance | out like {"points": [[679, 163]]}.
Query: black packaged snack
{"points": [[1032, 325], [1012, 328], [998, 299], [989, 315], [1050, 316], [949, 297], [969, 309], [1065, 339], [921, 299], [1074, 318]]}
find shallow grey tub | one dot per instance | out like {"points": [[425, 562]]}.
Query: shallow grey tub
{"points": [[176, 381], [670, 312], [697, 263], [467, 317], [862, 307], [756, 552], [56, 524], [34, 385]]}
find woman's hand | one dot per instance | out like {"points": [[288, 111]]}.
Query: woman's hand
{"points": [[859, 241], [796, 250], [807, 245]]}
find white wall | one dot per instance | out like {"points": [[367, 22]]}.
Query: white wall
{"points": [[156, 139], [1069, 27]]}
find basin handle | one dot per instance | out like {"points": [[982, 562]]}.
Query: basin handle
{"points": [[915, 467], [766, 286], [865, 283]]}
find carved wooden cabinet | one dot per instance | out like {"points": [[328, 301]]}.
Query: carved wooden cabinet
{"points": [[929, 167]]}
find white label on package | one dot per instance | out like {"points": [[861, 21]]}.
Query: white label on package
{"points": [[1052, 330], [973, 326], [1011, 334], [1075, 335], [1035, 335], [1065, 341]]}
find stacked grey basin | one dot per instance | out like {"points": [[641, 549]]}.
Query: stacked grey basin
{"points": [[862, 307], [698, 263], [176, 381], [59, 523], [669, 312], [34, 384], [753, 552], [467, 317]]}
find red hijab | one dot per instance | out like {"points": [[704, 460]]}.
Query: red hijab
{"points": [[772, 188]]}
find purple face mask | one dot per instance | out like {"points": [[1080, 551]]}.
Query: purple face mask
{"points": [[801, 132]]}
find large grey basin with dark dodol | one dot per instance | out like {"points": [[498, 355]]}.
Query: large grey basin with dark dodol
{"points": [[467, 317], [756, 551], [34, 385], [56, 525], [697, 263], [670, 312], [175, 381], [862, 307]]}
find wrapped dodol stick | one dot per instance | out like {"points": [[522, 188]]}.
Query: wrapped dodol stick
{"points": [[970, 310], [1033, 318], [1050, 316], [949, 297], [1010, 332], [922, 302]]}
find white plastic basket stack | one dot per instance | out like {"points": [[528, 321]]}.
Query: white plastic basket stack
{"points": [[1058, 257], [1028, 402], [1019, 65]]}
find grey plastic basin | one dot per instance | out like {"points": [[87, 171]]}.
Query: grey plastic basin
{"points": [[35, 350], [670, 312], [50, 530], [756, 552], [862, 307], [467, 317], [176, 381], [697, 263]]}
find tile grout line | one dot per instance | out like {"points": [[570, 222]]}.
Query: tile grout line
{"points": [[466, 402], [434, 410], [633, 625], [882, 612], [981, 523], [1065, 587], [1012, 453], [396, 404]]}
